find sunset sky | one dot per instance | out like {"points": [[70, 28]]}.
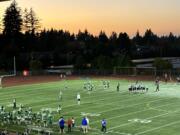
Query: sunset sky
{"points": [[162, 16]]}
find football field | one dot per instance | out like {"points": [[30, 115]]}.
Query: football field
{"points": [[147, 113]]}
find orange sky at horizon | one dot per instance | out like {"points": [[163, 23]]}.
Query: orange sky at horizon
{"points": [[162, 16]]}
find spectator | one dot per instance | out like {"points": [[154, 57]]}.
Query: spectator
{"points": [[61, 125], [87, 119], [73, 122], [84, 125], [69, 123], [103, 123]]}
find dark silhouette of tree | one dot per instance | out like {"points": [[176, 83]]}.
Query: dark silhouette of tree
{"points": [[12, 20], [35, 66], [0, 26], [12, 26], [161, 64], [59, 47], [149, 37], [138, 39], [80, 62], [103, 37], [103, 63], [122, 60], [34, 22], [113, 39], [83, 36], [26, 21], [31, 22], [171, 37], [124, 42]]}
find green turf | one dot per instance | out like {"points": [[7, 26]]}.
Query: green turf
{"points": [[126, 113]]}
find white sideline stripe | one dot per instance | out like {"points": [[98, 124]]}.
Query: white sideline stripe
{"points": [[166, 125], [119, 133], [145, 119], [98, 132], [131, 113], [152, 108]]}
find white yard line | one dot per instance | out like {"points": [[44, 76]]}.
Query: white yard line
{"points": [[163, 126], [102, 99], [129, 99], [117, 108], [152, 108], [145, 119], [96, 131], [131, 113]]}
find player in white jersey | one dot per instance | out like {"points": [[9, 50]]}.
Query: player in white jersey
{"points": [[60, 95], [78, 98]]}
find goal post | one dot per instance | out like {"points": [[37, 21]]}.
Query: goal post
{"points": [[134, 71]]}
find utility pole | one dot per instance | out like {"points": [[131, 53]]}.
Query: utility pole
{"points": [[15, 65]]}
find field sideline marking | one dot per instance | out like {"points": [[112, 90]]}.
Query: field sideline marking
{"points": [[76, 103], [131, 113], [166, 125], [152, 117], [152, 108], [122, 101], [117, 108], [31, 94], [36, 106], [98, 132], [102, 99], [84, 102]]}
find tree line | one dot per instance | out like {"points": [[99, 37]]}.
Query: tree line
{"points": [[21, 36]]}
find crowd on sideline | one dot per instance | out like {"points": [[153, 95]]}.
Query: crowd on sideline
{"points": [[70, 123]]}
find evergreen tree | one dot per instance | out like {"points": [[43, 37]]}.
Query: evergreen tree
{"points": [[31, 22], [26, 20], [103, 37], [0, 25], [137, 39], [12, 20], [34, 22]]}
